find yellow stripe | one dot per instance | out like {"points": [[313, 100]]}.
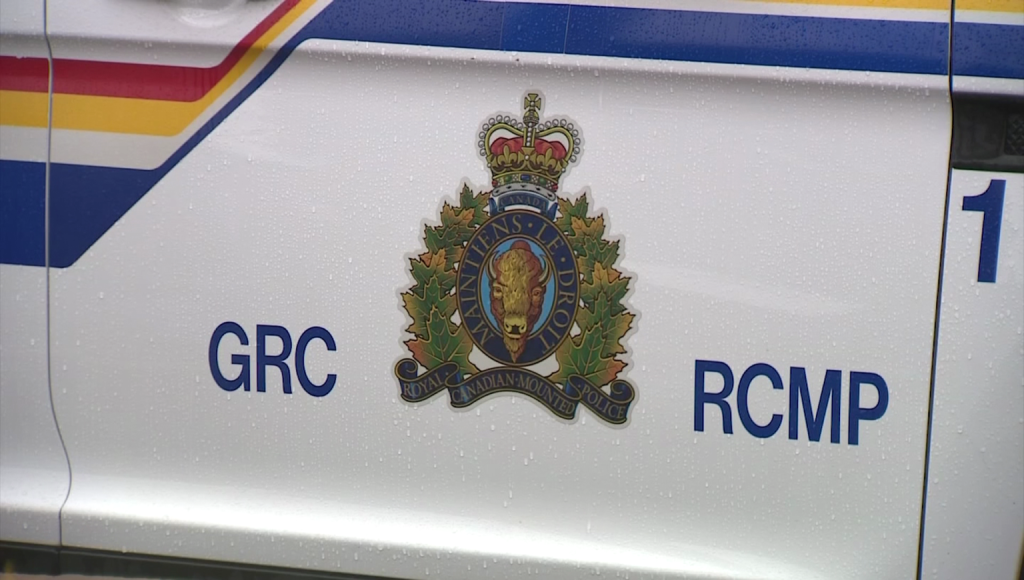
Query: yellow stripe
{"points": [[23, 108], [916, 4], [168, 118], [142, 116], [1013, 6]]}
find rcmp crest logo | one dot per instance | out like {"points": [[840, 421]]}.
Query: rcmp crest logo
{"points": [[517, 276]]}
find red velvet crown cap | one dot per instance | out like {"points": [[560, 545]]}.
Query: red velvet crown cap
{"points": [[540, 146]]}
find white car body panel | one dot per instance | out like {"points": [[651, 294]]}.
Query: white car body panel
{"points": [[975, 486], [34, 474], [801, 217]]}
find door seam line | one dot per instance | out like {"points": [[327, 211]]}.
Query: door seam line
{"points": [[46, 263], [938, 302]]}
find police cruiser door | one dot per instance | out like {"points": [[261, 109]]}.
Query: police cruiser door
{"points": [[467, 289]]}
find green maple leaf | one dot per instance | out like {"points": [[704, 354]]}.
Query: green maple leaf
{"points": [[615, 328], [607, 253], [577, 246], [593, 312], [420, 299], [456, 218], [610, 325], [610, 282], [603, 320], [584, 357], [434, 239], [475, 203], [587, 227], [454, 231], [597, 252], [433, 265], [443, 342], [571, 210]]}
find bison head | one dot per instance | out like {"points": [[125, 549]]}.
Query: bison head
{"points": [[518, 281]]}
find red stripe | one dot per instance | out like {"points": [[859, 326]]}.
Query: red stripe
{"points": [[24, 74], [135, 81]]}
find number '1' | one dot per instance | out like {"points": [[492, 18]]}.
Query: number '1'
{"points": [[990, 203]]}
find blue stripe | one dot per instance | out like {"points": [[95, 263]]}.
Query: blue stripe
{"points": [[455, 23], [988, 50], [829, 43], [23, 212], [535, 28], [795, 41], [86, 201]]}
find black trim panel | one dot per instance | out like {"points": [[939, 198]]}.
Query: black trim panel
{"points": [[52, 561], [988, 133]]}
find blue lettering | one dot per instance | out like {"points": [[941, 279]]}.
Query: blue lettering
{"points": [[236, 359], [990, 203], [701, 398], [263, 360], [857, 413], [829, 401], [758, 370], [300, 361], [814, 419]]}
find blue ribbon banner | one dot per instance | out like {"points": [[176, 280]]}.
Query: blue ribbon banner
{"points": [[612, 406], [502, 201]]}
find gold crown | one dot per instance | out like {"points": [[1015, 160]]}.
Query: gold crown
{"points": [[528, 152]]}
